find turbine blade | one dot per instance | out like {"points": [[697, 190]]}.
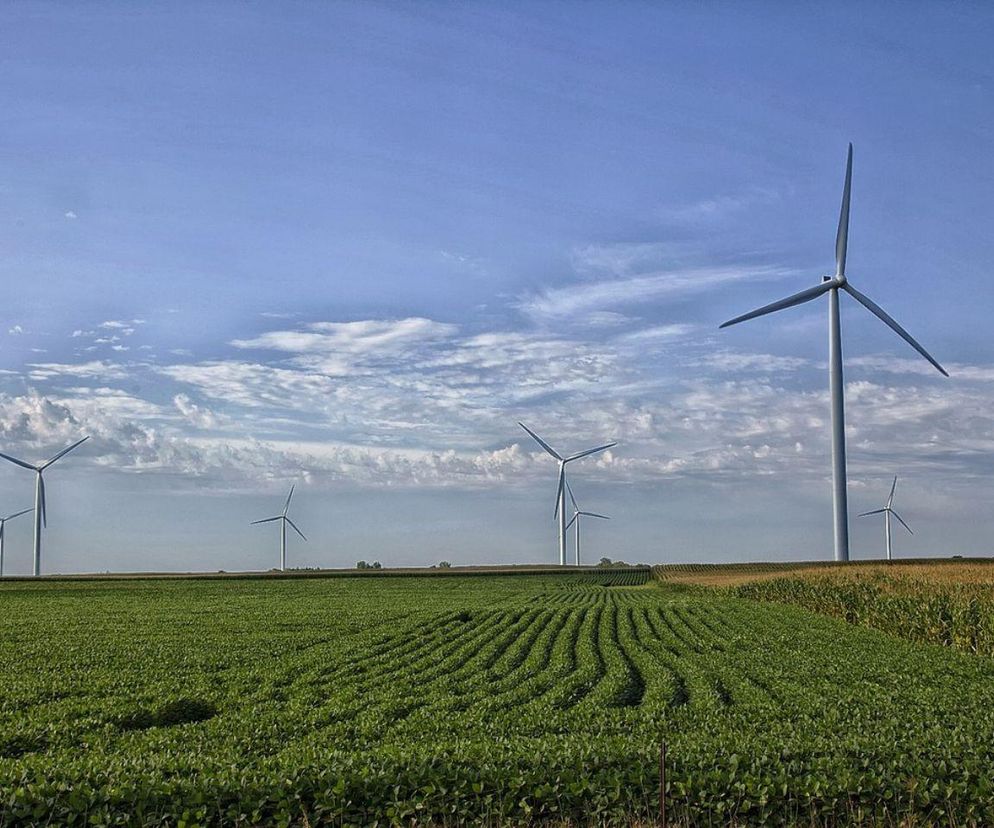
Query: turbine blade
{"points": [[44, 509], [594, 514], [789, 302], [572, 520], [881, 314], [295, 529], [287, 504], [569, 491], [580, 454], [905, 525], [893, 486], [17, 462], [559, 488], [842, 237], [266, 520], [18, 514], [874, 512], [541, 442], [64, 452]]}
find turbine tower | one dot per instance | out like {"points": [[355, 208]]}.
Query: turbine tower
{"points": [[41, 518], [832, 285], [284, 520], [560, 512], [577, 512], [887, 511], [3, 523]]}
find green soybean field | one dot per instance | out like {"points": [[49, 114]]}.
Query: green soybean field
{"points": [[495, 700]]}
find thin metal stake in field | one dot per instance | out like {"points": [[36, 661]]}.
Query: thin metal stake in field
{"points": [[662, 785]]}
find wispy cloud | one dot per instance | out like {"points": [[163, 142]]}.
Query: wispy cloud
{"points": [[119, 326], [625, 291], [736, 363], [96, 369], [918, 367], [714, 208], [333, 347]]}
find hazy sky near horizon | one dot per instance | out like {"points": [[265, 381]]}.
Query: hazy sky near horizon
{"points": [[349, 245]]}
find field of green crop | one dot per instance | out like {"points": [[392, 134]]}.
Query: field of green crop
{"points": [[474, 700], [949, 604]]}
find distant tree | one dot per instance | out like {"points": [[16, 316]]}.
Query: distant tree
{"points": [[605, 562], [361, 565], [444, 565], [376, 565]]}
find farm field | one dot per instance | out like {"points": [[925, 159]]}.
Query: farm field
{"points": [[949, 603], [486, 699]]}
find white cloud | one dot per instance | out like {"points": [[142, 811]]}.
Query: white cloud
{"points": [[735, 363], [199, 416], [419, 402], [620, 289], [369, 336], [121, 327], [96, 369], [17, 330], [918, 367], [657, 333], [69, 214], [253, 385], [709, 210]]}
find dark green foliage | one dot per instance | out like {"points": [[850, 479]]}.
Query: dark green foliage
{"points": [[180, 711]]}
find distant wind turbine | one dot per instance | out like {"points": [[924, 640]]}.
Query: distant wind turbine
{"points": [[831, 285], [577, 512], [560, 511], [887, 511], [284, 520], [3, 523], [41, 518]]}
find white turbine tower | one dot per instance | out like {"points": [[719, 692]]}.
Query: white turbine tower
{"points": [[560, 512], [3, 523], [41, 517], [577, 512], [284, 520], [832, 285], [887, 511]]}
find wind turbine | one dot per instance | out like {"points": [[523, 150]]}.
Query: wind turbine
{"points": [[887, 511], [577, 512], [3, 523], [832, 285], [284, 520], [41, 517], [560, 512]]}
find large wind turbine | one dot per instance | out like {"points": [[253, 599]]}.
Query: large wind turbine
{"points": [[887, 511], [3, 523], [284, 520], [832, 285], [560, 512], [41, 517], [577, 512]]}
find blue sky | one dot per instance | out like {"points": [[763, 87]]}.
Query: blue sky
{"points": [[349, 245]]}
